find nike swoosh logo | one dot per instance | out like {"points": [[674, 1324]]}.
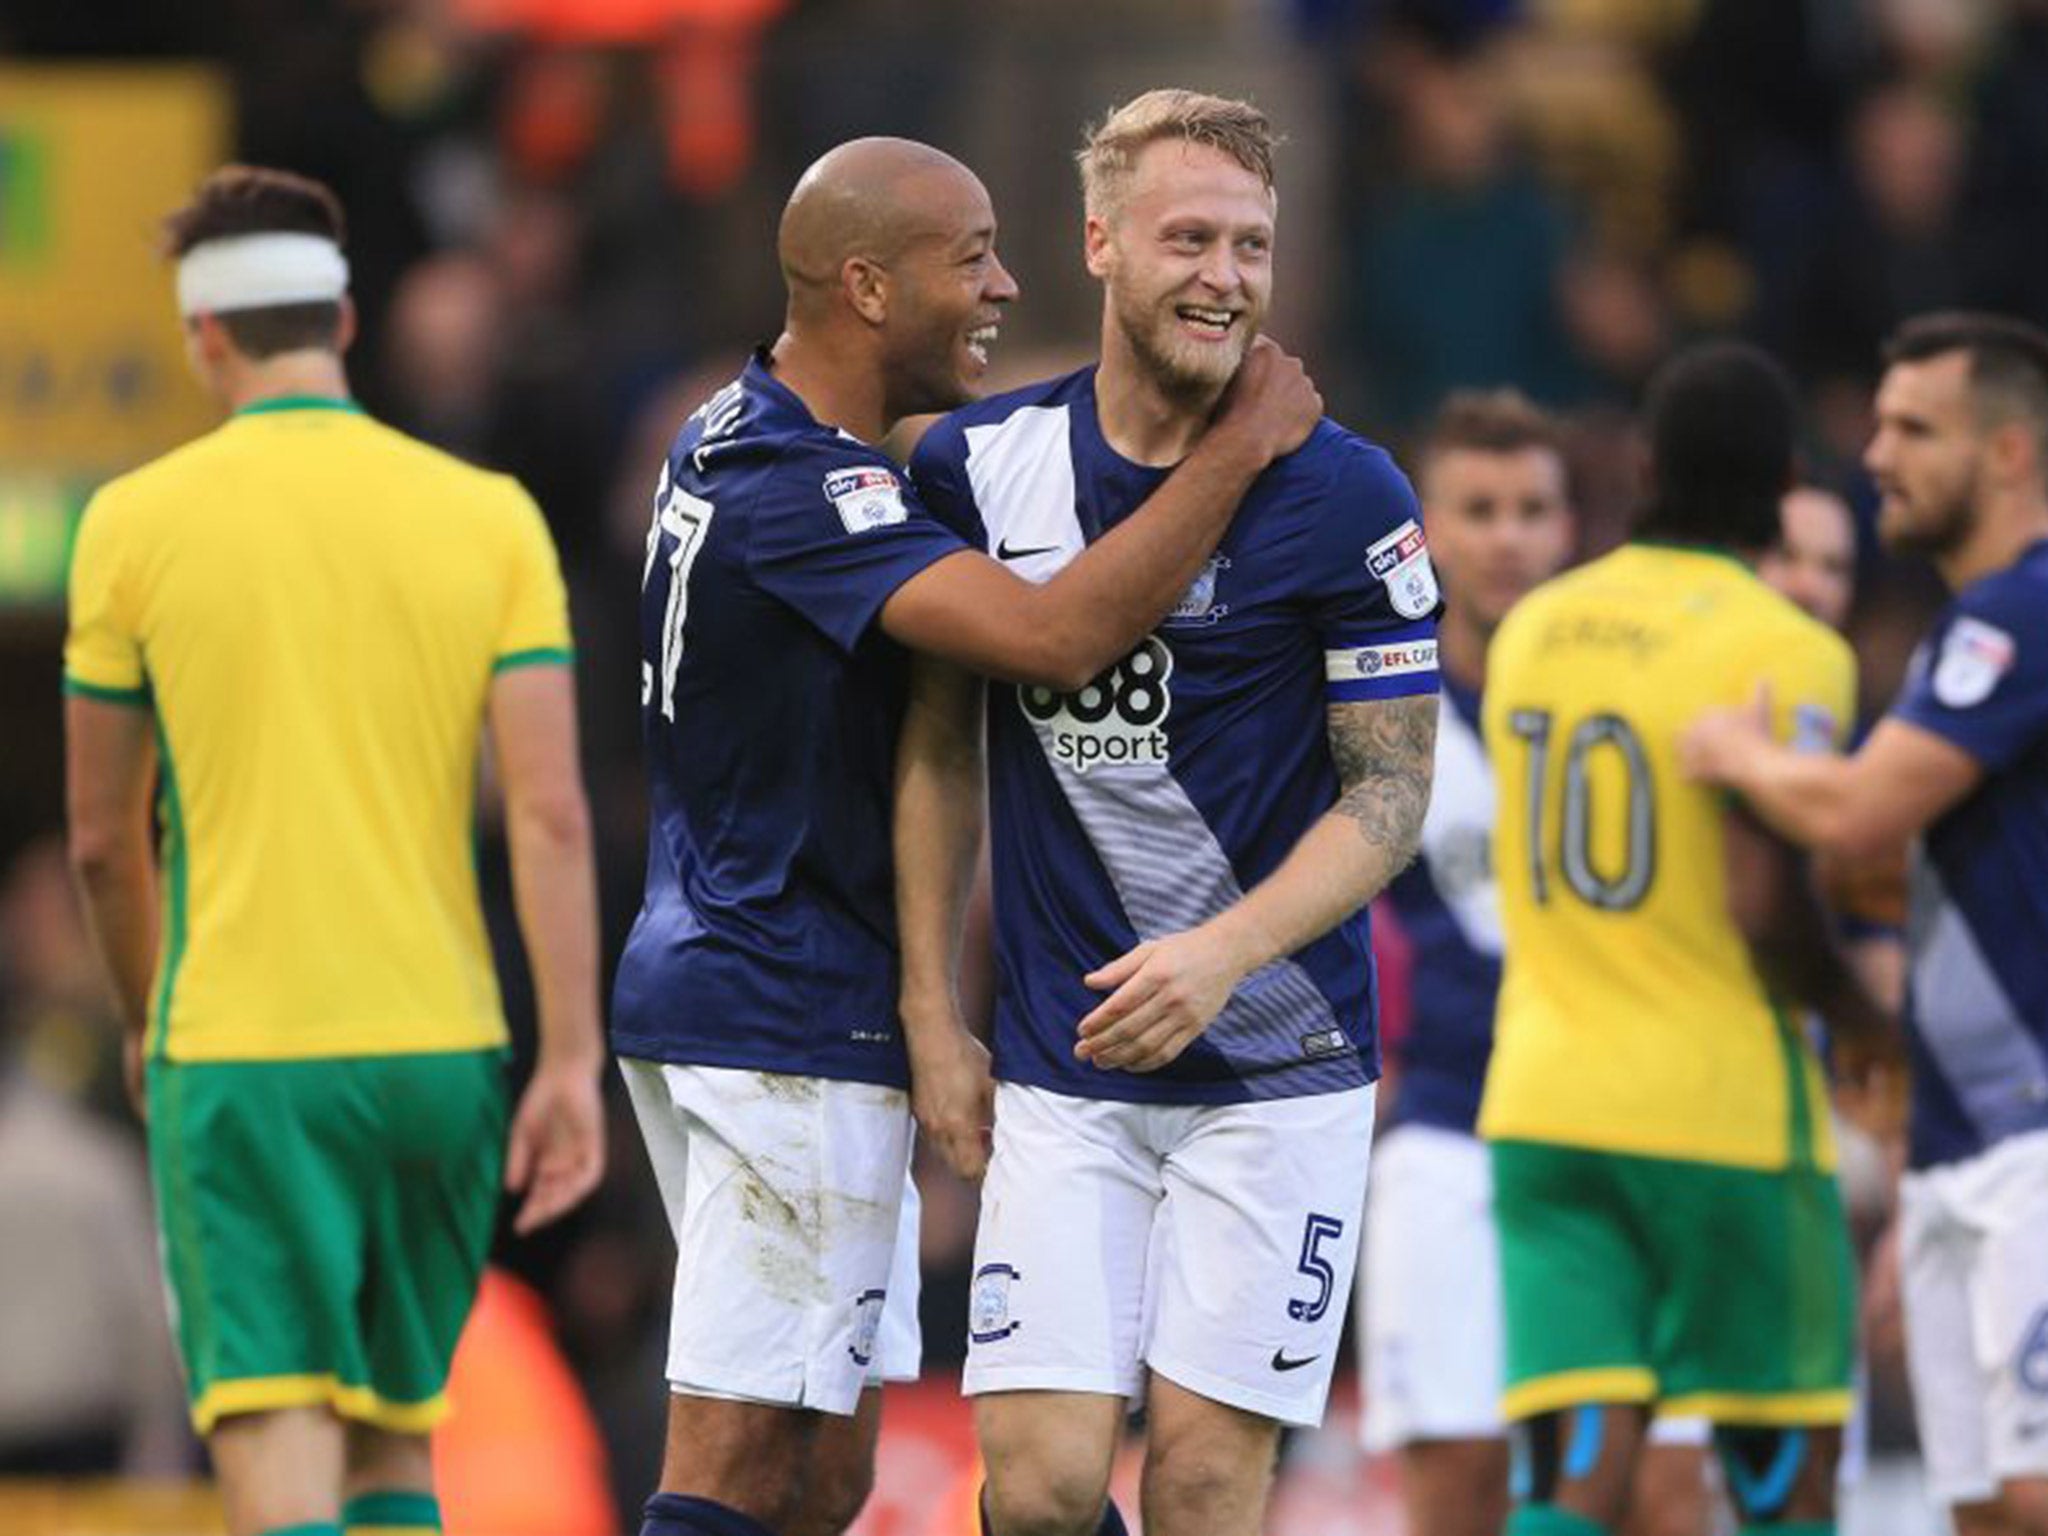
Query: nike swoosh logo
{"points": [[1282, 1363], [1004, 552]]}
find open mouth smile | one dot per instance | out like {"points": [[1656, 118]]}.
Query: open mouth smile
{"points": [[1205, 322]]}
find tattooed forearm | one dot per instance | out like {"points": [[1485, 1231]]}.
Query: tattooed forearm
{"points": [[1385, 755]]}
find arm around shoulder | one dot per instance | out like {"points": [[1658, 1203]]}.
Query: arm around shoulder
{"points": [[1065, 631]]}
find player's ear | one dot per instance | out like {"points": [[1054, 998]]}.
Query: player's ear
{"points": [[1096, 247], [866, 284], [2015, 450], [345, 325], [211, 344]]}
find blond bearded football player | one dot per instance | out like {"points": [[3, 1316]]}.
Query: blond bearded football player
{"points": [[1184, 846], [787, 565]]}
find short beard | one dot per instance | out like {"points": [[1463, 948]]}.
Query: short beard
{"points": [[1175, 378], [1949, 533]]}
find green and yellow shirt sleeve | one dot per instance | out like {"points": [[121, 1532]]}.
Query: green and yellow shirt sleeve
{"points": [[103, 641], [535, 626]]}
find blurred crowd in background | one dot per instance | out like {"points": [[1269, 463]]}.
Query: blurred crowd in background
{"points": [[562, 224]]}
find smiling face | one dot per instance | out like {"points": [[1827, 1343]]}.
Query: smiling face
{"points": [[946, 292], [1186, 259]]}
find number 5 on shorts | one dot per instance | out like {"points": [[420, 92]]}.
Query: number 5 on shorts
{"points": [[1318, 1230]]}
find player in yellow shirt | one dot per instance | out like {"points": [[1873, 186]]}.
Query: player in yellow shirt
{"points": [[297, 631], [1671, 1237]]}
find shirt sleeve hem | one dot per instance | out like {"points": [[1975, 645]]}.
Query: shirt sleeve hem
{"points": [[1362, 691], [538, 656], [135, 698], [1936, 723], [915, 564]]}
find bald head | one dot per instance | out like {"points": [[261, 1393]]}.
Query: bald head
{"points": [[872, 198]]}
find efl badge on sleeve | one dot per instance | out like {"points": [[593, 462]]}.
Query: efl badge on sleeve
{"points": [[1813, 728], [1974, 656], [1401, 562], [866, 496]]}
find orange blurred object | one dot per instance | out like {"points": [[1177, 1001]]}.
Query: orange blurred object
{"points": [[614, 21], [520, 1455], [706, 78]]}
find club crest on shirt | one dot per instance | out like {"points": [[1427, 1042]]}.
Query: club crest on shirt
{"points": [[865, 496], [1198, 605], [1974, 656], [1401, 562]]}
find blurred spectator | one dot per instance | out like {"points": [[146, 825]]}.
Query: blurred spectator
{"points": [[442, 351], [1762, 87], [2009, 161], [1814, 561], [90, 1382], [1460, 250], [54, 1004], [1892, 245]]}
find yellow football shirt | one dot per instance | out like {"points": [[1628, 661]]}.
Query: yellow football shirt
{"points": [[1631, 1017], [314, 606]]}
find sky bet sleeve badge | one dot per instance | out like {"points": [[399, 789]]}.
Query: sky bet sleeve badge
{"points": [[866, 496], [1401, 561], [1974, 656]]}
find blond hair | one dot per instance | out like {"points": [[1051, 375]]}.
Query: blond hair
{"points": [[1111, 148]]}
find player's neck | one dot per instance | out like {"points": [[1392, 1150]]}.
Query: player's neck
{"points": [[836, 396], [1461, 649], [1140, 418], [311, 373], [2005, 531]]}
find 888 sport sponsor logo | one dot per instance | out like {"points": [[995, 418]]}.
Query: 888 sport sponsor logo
{"points": [[1117, 718]]}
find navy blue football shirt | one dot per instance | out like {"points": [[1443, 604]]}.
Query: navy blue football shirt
{"points": [[770, 706], [1155, 796], [1449, 905], [1977, 977]]}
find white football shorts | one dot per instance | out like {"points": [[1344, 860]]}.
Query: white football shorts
{"points": [[796, 1232], [1431, 1361], [1214, 1244], [1973, 1271]]}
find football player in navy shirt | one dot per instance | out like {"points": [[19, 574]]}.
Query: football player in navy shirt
{"points": [[1184, 846], [1960, 456], [755, 1005]]}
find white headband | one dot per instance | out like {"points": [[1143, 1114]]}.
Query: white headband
{"points": [[259, 272]]}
